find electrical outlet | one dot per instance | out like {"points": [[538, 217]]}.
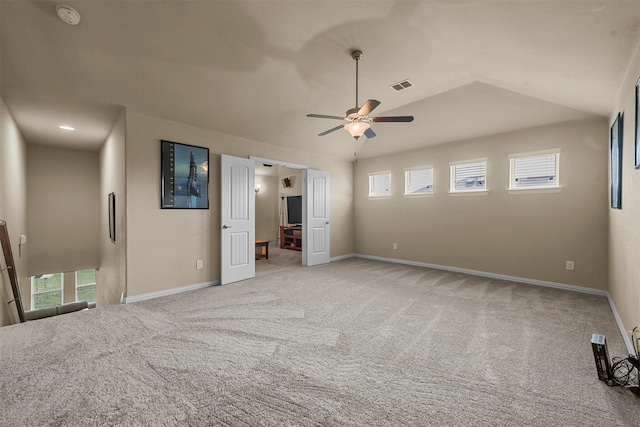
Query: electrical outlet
{"points": [[199, 264], [395, 246], [570, 266]]}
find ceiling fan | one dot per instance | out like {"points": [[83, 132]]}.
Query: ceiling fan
{"points": [[358, 117]]}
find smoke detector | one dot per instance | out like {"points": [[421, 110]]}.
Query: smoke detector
{"points": [[68, 14]]}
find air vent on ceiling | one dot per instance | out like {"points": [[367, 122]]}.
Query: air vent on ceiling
{"points": [[405, 84]]}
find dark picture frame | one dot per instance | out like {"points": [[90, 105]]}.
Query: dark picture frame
{"points": [[637, 138], [184, 176], [112, 216], [616, 161]]}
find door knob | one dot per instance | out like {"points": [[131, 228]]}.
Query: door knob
{"points": [[226, 226]]}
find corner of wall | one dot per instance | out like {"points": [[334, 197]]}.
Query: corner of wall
{"points": [[12, 204], [111, 275]]}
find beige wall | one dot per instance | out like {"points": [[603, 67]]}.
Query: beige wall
{"points": [[13, 208], [63, 219], [164, 244], [624, 224], [111, 276], [525, 235], [267, 206]]}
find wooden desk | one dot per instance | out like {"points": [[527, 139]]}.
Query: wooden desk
{"points": [[262, 249]]}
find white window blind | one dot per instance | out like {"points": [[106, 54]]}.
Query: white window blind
{"points": [[380, 184], [470, 176], [535, 170], [418, 181]]}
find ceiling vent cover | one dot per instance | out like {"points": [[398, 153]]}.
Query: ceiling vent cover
{"points": [[405, 84]]}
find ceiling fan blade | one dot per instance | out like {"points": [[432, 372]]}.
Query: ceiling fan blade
{"points": [[324, 116], [368, 107], [330, 130], [369, 133], [392, 119]]}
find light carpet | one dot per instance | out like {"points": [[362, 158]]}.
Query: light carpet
{"points": [[354, 343]]}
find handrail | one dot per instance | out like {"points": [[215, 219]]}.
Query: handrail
{"points": [[11, 269]]}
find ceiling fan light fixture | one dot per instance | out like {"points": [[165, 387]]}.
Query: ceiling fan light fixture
{"points": [[356, 129]]}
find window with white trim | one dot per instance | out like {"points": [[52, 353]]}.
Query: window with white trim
{"points": [[86, 285], [418, 180], [470, 175], [380, 184], [534, 170], [46, 290]]}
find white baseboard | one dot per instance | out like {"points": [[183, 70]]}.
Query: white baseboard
{"points": [[623, 331], [491, 275], [172, 291], [339, 257]]}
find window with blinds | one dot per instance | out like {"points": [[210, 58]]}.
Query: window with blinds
{"points": [[418, 181], [469, 176], [534, 170], [380, 184]]}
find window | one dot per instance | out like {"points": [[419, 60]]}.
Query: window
{"points": [[86, 285], [46, 290], [380, 184], [418, 181], [470, 175], [534, 170]]}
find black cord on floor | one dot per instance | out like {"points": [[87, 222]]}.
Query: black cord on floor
{"points": [[623, 370]]}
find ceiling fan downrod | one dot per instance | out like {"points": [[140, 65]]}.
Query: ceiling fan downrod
{"points": [[357, 55]]}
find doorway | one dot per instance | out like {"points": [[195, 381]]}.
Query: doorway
{"points": [[238, 214], [278, 188], [314, 197]]}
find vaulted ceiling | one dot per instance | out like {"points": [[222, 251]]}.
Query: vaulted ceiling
{"points": [[254, 69]]}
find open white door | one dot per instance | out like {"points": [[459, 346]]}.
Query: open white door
{"points": [[237, 219], [315, 212]]}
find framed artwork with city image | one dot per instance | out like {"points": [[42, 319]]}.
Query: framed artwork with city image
{"points": [[184, 176]]}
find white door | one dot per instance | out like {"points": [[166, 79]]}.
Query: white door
{"points": [[237, 219], [315, 212]]}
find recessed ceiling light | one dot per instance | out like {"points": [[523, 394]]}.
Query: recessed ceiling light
{"points": [[65, 127], [68, 14]]}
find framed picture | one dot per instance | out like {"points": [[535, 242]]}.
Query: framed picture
{"points": [[112, 216], [184, 176], [637, 142], [616, 162]]}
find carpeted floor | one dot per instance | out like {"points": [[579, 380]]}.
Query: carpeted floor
{"points": [[355, 343]]}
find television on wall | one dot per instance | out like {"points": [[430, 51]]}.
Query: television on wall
{"points": [[294, 210]]}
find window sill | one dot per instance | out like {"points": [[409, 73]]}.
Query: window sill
{"points": [[468, 193], [418, 196], [534, 190], [379, 197]]}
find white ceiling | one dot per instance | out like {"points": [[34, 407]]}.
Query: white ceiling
{"points": [[255, 68]]}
